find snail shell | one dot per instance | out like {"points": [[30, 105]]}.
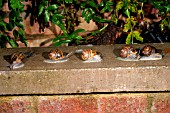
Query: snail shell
{"points": [[87, 54], [128, 51], [17, 57], [148, 50], [55, 54]]}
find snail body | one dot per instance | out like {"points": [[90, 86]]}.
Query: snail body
{"points": [[88, 54], [128, 52], [55, 54], [148, 50]]}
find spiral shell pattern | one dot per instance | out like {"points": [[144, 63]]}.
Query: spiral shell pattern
{"points": [[17, 57], [128, 51], [55, 54], [87, 54]]}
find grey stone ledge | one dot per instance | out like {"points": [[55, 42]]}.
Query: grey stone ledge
{"points": [[74, 76]]}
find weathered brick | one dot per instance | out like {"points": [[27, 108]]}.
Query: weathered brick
{"points": [[90, 103], [123, 104], [68, 105], [94, 104], [162, 105], [13, 105]]}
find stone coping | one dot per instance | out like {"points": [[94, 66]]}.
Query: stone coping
{"points": [[74, 76]]}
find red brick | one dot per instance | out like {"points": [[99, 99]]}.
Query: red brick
{"points": [[94, 104], [123, 104], [68, 105], [15, 106], [113, 103], [162, 106]]}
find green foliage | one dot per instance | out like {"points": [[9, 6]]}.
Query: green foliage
{"points": [[129, 7], [132, 35], [65, 38], [130, 22], [164, 8], [15, 21], [63, 14]]}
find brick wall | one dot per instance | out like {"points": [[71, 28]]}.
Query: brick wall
{"points": [[91, 103]]}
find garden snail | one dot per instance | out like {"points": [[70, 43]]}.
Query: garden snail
{"points": [[88, 54], [128, 52], [55, 54], [148, 50], [17, 60], [17, 57]]}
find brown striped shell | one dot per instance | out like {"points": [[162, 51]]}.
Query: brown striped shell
{"points": [[128, 51], [148, 50], [55, 54], [87, 54], [17, 57]]}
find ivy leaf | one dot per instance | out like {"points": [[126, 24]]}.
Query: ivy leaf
{"points": [[16, 34], [127, 27], [84, 12], [10, 26], [78, 31], [22, 37], [71, 1], [52, 7], [59, 38], [133, 8], [12, 42], [13, 15], [93, 4], [20, 25], [167, 8], [41, 8], [3, 25], [133, 34], [60, 24], [62, 28], [46, 16], [119, 5], [128, 39], [21, 32], [45, 2], [107, 7], [156, 5], [101, 3], [15, 4], [78, 37], [74, 34], [88, 17], [67, 1], [82, 5], [62, 42], [58, 16], [127, 13], [136, 35]]}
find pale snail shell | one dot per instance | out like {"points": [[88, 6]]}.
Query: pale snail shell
{"points": [[55, 54], [128, 52], [17, 57], [148, 50], [88, 54]]}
